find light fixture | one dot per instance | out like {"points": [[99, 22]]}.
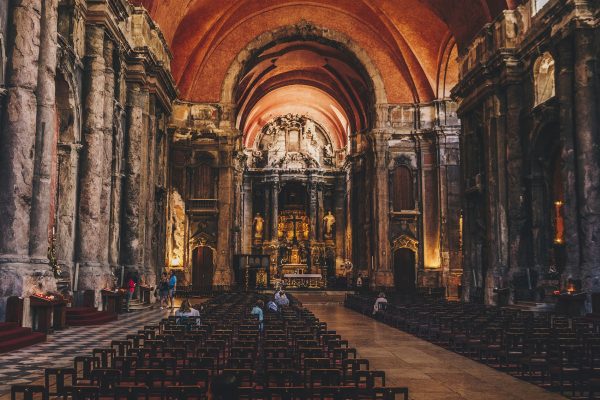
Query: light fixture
{"points": [[175, 261]]}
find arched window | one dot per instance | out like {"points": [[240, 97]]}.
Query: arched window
{"points": [[538, 5], [543, 78], [402, 189]]}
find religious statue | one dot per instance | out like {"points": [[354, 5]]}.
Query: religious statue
{"points": [[328, 223], [258, 226], [280, 229], [305, 230]]}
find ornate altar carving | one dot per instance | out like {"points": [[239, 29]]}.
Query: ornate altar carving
{"points": [[292, 142]]}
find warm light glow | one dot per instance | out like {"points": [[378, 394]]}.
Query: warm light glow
{"points": [[559, 224], [175, 262]]}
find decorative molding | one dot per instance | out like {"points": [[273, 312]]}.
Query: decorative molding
{"points": [[405, 242]]}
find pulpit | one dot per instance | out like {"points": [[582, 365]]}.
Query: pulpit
{"points": [[112, 301]]}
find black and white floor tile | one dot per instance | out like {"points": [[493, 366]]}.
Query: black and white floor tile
{"points": [[27, 365]]}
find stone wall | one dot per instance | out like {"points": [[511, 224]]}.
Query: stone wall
{"points": [[524, 161], [102, 95]]}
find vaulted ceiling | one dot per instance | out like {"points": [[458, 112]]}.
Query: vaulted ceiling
{"points": [[413, 44]]}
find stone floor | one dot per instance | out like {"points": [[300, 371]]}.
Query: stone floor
{"points": [[430, 372], [26, 366]]}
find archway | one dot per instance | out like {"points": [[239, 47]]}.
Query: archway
{"points": [[202, 268], [404, 270]]}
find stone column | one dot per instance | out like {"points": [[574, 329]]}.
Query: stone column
{"points": [[116, 195], [108, 116], [93, 273], [17, 143], [312, 209], [320, 233], [588, 158], [19, 274], [247, 216], [132, 239], [564, 92], [223, 270], [513, 182], [274, 207], [383, 275], [46, 135], [340, 220], [68, 156]]}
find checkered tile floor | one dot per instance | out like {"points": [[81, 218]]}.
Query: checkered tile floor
{"points": [[27, 365]]}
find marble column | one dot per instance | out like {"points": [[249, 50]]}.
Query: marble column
{"points": [[383, 275], [340, 221], [132, 238], [564, 92], [588, 157], [46, 135], [93, 273], [107, 138]]}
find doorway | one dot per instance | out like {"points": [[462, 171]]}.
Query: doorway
{"points": [[202, 268], [404, 270]]}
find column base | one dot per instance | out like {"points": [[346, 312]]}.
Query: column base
{"points": [[23, 276], [96, 276]]}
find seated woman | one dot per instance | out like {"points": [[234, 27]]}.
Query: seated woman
{"points": [[380, 303], [187, 311]]}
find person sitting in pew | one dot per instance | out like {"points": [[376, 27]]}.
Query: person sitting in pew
{"points": [[281, 299], [380, 304], [258, 312], [186, 310]]}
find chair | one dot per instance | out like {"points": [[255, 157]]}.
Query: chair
{"points": [[185, 393], [325, 377], [282, 378], [83, 366], [28, 392], [189, 377], [54, 379]]}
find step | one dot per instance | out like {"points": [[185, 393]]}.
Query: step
{"points": [[10, 334], [21, 341], [5, 326]]}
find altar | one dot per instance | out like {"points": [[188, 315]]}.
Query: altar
{"points": [[287, 269], [303, 281]]}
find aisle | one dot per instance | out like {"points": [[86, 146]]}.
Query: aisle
{"points": [[429, 371]]}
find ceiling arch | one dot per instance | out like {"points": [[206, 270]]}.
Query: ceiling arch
{"points": [[406, 39]]}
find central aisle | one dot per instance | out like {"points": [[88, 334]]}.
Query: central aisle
{"points": [[430, 372]]}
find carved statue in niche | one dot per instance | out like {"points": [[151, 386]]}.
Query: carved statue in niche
{"points": [[280, 229], [329, 224], [258, 226]]}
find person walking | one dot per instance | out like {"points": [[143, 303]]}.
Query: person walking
{"points": [[258, 312], [172, 287], [163, 290], [130, 289]]}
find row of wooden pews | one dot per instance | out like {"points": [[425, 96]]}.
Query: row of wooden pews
{"points": [[553, 351], [295, 357]]}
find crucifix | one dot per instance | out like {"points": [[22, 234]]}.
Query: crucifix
{"points": [[295, 220]]}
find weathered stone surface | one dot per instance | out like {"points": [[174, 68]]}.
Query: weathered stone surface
{"points": [[90, 246], [17, 140], [46, 133]]}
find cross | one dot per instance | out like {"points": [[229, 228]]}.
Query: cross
{"points": [[294, 220]]}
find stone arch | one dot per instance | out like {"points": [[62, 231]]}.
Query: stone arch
{"points": [[302, 29], [543, 78]]}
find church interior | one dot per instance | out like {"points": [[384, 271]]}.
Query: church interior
{"points": [[421, 178]]}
